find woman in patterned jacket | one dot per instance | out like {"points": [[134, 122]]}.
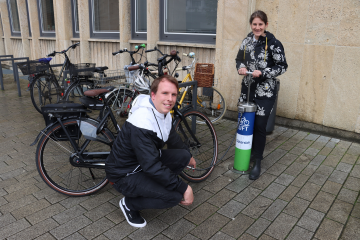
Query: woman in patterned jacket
{"points": [[261, 53]]}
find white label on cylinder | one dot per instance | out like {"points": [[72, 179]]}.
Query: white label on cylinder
{"points": [[244, 142]]}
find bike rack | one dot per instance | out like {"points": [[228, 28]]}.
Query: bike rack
{"points": [[15, 70], [194, 98]]}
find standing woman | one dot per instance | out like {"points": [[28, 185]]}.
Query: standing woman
{"points": [[261, 53]]}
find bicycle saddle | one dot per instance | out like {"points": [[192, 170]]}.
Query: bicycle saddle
{"points": [[100, 69], [98, 91]]}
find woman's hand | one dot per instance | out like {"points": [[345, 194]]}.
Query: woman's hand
{"points": [[256, 73], [242, 71]]}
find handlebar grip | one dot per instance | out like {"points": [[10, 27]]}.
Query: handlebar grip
{"points": [[173, 53], [51, 54], [135, 67], [151, 50]]}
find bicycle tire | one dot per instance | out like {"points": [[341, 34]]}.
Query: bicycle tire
{"points": [[76, 90], [115, 100], [53, 162], [204, 154], [212, 104], [44, 89]]}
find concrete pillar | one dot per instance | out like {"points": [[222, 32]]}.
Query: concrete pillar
{"points": [[6, 27], [63, 23], [153, 27], [125, 29], [35, 29], [84, 28], [228, 40], [24, 27]]}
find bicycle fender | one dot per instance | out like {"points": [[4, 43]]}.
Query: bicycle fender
{"points": [[42, 132], [88, 129]]}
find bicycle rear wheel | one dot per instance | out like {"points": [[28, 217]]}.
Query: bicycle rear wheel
{"points": [[202, 141], [44, 90], [58, 164]]}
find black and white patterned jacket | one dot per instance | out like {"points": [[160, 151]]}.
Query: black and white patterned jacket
{"points": [[271, 62]]}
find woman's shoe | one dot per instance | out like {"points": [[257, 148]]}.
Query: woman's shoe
{"points": [[255, 171]]}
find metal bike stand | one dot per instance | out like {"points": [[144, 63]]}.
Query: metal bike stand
{"points": [[1, 72], [15, 72]]}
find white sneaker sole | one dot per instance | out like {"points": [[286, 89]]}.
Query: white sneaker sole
{"points": [[132, 224]]}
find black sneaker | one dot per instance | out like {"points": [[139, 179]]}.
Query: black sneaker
{"points": [[132, 217]]}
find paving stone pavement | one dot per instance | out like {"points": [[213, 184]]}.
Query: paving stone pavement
{"points": [[308, 189]]}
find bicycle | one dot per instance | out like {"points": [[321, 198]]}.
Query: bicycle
{"points": [[210, 102], [72, 149]]}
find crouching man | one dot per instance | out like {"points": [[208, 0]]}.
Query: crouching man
{"points": [[140, 169]]}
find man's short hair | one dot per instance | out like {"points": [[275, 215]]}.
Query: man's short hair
{"points": [[155, 84]]}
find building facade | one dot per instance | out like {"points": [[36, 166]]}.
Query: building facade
{"points": [[321, 40]]}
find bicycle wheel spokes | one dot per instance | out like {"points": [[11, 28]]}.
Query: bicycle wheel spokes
{"points": [[203, 147], [212, 104], [44, 90], [58, 163]]}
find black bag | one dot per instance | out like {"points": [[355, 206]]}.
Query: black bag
{"points": [[64, 111]]}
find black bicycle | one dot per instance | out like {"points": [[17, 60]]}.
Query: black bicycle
{"points": [[72, 149]]}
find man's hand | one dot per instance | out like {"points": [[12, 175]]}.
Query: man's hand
{"points": [[256, 73], [188, 197], [192, 162], [242, 71]]}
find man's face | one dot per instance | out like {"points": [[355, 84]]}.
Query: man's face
{"points": [[165, 98]]}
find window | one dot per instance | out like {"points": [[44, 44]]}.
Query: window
{"points": [[47, 18], [104, 19], [14, 18], [138, 19], [188, 21], [75, 18]]}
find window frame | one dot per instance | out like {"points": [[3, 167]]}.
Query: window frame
{"points": [[13, 32], [182, 37], [100, 35], [42, 32], [28, 17], [136, 35], [76, 34]]}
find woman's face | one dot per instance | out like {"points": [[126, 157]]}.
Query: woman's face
{"points": [[258, 27]]}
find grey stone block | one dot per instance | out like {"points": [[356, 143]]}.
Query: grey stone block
{"points": [[318, 179], [344, 167], [312, 137], [325, 170], [218, 184], [276, 169], [289, 193], [309, 170], [312, 151], [311, 219], [100, 211], [281, 226], [239, 184], [295, 168], [284, 179], [300, 234], [352, 229], [296, 207], [340, 211], [258, 227], [247, 195], [199, 197], [221, 236], [300, 180], [221, 197], [309, 191], [152, 229], [263, 181], [352, 184], [231, 209], [331, 187], [274, 210], [45, 213], [329, 230], [201, 213], [322, 202], [35, 230], [273, 191], [338, 177], [257, 207], [69, 214], [208, 228], [119, 231], [355, 171], [347, 195], [173, 214], [288, 159], [97, 200], [96, 228], [318, 160], [238, 226], [70, 227], [179, 229]]}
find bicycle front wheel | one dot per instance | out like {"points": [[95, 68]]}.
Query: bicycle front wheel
{"points": [[58, 164], [44, 90], [200, 137]]}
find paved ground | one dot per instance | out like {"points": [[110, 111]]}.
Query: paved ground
{"points": [[308, 190]]}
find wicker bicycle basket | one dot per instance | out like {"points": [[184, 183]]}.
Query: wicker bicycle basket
{"points": [[204, 74], [76, 69], [33, 66]]}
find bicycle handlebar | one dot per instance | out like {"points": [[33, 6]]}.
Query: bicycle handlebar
{"points": [[130, 52], [63, 51]]}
